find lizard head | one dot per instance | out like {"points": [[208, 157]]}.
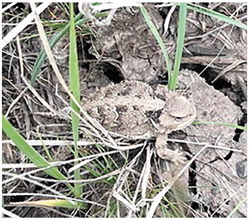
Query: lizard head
{"points": [[177, 113]]}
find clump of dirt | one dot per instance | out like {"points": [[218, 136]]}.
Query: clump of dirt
{"points": [[216, 173], [138, 57]]}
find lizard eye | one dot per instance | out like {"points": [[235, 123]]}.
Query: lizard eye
{"points": [[178, 118]]}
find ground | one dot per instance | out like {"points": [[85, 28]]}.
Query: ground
{"points": [[213, 77]]}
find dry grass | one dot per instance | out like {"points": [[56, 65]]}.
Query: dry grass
{"points": [[119, 177]]}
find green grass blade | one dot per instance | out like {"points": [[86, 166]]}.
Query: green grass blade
{"points": [[56, 37], [75, 89], [29, 151], [158, 39], [237, 207], [44, 146], [180, 44], [49, 203], [217, 15], [222, 124]]}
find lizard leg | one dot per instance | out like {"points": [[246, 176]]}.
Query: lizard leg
{"points": [[165, 153]]}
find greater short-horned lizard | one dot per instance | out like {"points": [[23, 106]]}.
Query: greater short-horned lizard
{"points": [[134, 109]]}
